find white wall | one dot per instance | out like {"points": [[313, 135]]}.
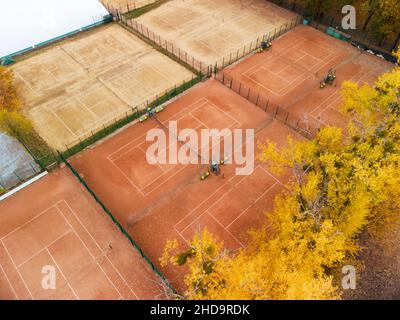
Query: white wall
{"points": [[27, 22]]}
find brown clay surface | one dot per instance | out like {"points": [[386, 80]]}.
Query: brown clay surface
{"points": [[211, 30], [160, 202], [76, 87], [290, 73], [55, 222]]}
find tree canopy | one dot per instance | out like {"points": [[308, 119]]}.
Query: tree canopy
{"points": [[341, 183]]}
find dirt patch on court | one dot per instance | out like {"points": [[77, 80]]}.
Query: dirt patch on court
{"points": [[76, 88], [160, 202], [290, 73], [64, 229], [212, 30]]}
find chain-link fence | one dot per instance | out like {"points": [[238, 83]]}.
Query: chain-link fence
{"points": [[306, 127], [323, 21], [97, 21], [116, 7], [18, 176], [168, 46], [117, 121], [118, 225], [255, 44]]}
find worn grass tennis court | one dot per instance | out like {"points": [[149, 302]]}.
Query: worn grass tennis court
{"points": [[77, 87], [160, 202], [64, 228], [212, 30], [290, 73]]}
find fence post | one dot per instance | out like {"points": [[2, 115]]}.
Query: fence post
{"points": [[19, 178], [32, 167], [297, 124], [276, 111]]}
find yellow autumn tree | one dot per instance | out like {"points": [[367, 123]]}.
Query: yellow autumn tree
{"points": [[9, 100], [340, 184]]}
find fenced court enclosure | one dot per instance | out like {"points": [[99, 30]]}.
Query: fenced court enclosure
{"points": [[16, 164], [213, 30], [102, 218], [124, 6], [289, 74], [79, 87], [155, 203], [68, 231]]}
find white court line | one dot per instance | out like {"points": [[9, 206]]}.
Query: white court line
{"points": [[30, 220], [244, 211], [26, 83], [166, 172], [87, 249], [62, 274], [224, 112], [141, 137], [230, 233], [204, 201], [154, 159], [97, 244], [140, 190], [19, 273], [270, 174], [9, 283], [51, 111], [44, 249], [86, 107], [23, 185], [334, 93], [152, 182], [268, 89]]}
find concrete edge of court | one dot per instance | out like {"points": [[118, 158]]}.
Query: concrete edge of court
{"points": [[23, 186]]}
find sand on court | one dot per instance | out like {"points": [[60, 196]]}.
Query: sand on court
{"points": [[73, 89], [212, 30]]}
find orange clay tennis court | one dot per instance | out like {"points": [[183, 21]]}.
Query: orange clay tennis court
{"points": [[290, 73], [160, 202], [56, 223]]}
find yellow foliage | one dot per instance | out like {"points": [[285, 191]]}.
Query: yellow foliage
{"points": [[8, 94], [340, 185], [14, 124]]}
